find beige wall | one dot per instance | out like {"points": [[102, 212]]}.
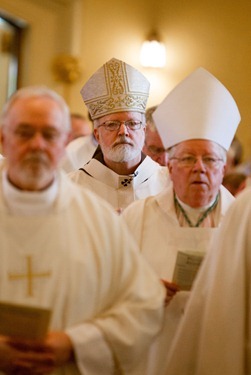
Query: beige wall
{"points": [[210, 33]]}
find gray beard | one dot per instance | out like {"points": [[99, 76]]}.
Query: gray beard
{"points": [[122, 153]]}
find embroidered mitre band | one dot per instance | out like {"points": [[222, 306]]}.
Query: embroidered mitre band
{"points": [[115, 87]]}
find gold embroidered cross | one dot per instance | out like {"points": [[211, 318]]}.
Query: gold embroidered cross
{"points": [[29, 276]]}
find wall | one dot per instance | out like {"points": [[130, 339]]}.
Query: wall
{"points": [[209, 33], [48, 33]]}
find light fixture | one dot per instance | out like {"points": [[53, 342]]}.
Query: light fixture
{"points": [[153, 52], [67, 70]]}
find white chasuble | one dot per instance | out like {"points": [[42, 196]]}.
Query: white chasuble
{"points": [[121, 190], [155, 226], [214, 336], [89, 273]]}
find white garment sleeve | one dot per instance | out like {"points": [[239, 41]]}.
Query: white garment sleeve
{"points": [[92, 353]]}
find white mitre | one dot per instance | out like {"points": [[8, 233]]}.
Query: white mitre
{"points": [[200, 107], [115, 87]]}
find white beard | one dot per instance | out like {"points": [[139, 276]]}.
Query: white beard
{"points": [[122, 153]]}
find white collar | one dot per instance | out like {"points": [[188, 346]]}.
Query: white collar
{"points": [[188, 208], [28, 203]]}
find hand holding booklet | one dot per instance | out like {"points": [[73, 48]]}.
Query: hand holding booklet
{"points": [[186, 268], [24, 322]]}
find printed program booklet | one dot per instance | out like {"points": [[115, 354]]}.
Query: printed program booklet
{"points": [[23, 321], [186, 267]]}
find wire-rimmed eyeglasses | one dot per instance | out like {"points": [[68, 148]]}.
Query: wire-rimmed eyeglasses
{"points": [[116, 124], [155, 150], [190, 161]]}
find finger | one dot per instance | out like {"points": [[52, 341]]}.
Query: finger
{"points": [[34, 366], [170, 285]]}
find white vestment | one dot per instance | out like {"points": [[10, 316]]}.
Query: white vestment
{"points": [[214, 337], [121, 190], [154, 224], [78, 152], [87, 270]]}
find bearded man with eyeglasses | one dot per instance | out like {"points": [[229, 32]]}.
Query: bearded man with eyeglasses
{"points": [[197, 122], [116, 97]]}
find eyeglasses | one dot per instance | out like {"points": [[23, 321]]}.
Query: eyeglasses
{"points": [[156, 150], [26, 133], [190, 161], [116, 124]]}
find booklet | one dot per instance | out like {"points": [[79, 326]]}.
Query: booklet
{"points": [[186, 267], [23, 321]]}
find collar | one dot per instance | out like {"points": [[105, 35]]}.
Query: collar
{"points": [[97, 169], [28, 202], [165, 201]]}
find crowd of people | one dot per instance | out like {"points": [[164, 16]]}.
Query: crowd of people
{"points": [[105, 221]]}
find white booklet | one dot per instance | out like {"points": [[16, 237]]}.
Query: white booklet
{"points": [[186, 267], [23, 321]]}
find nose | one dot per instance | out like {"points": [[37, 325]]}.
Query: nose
{"points": [[37, 141], [123, 130], [199, 165]]}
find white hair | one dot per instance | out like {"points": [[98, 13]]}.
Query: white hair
{"points": [[37, 91]]}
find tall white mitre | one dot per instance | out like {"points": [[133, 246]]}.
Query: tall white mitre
{"points": [[200, 107]]}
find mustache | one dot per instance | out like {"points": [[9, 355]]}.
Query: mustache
{"points": [[122, 140], [36, 157]]}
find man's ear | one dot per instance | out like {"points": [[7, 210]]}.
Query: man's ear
{"points": [[96, 134], [169, 166], [1, 141]]}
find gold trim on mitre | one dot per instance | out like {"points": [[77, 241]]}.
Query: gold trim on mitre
{"points": [[115, 87]]}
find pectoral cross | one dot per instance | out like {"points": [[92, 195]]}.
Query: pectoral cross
{"points": [[29, 276]]}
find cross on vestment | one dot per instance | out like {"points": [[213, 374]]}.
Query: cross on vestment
{"points": [[29, 275]]}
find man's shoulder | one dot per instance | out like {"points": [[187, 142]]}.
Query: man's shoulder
{"points": [[82, 194], [139, 206], [88, 171], [147, 161], [154, 168], [78, 152], [243, 202], [76, 175], [79, 143]]}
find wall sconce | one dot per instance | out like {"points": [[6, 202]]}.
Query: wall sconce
{"points": [[67, 70], [153, 52]]}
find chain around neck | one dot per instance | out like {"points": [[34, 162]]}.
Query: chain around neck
{"points": [[202, 216]]}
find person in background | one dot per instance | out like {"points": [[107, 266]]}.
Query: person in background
{"points": [[153, 145], [241, 166], [80, 126], [234, 156], [214, 336], [79, 151], [64, 249], [235, 182], [196, 121], [116, 97]]}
